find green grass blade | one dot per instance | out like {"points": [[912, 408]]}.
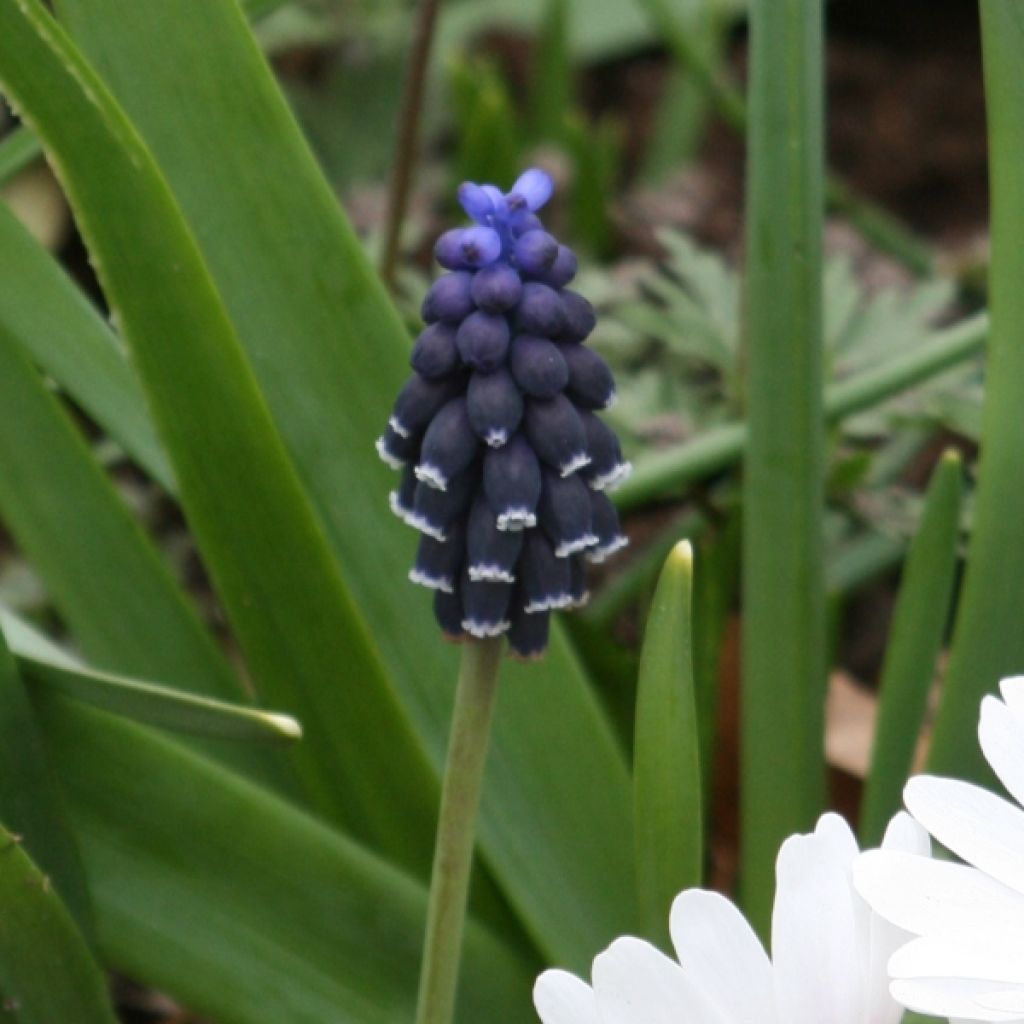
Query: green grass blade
{"points": [[782, 770], [17, 151], [46, 972], [264, 548], [48, 316], [666, 776], [237, 903], [31, 803], [551, 74], [330, 354], [988, 641], [918, 625], [43, 664]]}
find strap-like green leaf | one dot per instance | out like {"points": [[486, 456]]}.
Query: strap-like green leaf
{"points": [[918, 626], [43, 664], [266, 552], [46, 972], [245, 908], [31, 803], [667, 777], [330, 353]]}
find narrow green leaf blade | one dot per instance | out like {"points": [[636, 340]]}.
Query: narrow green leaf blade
{"points": [[240, 905], [31, 803], [551, 74], [667, 777], [46, 972], [783, 689], [988, 641], [918, 624], [266, 551], [330, 354], [150, 703], [17, 151], [43, 311]]}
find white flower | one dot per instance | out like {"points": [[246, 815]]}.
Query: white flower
{"points": [[968, 961], [829, 952]]}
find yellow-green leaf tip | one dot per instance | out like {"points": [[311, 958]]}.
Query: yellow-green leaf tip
{"points": [[681, 556], [286, 726], [952, 457]]}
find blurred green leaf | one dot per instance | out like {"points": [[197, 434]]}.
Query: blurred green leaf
{"points": [[46, 972], [44, 664], [261, 542], [988, 641], [666, 753], [596, 151], [330, 353], [240, 905], [17, 151], [31, 803], [915, 638], [551, 74]]}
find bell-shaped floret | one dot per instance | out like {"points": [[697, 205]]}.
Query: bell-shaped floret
{"points": [[579, 318], [535, 252], [436, 512], [537, 366], [449, 446], [532, 189], [528, 634], [419, 402], [477, 201], [485, 606], [539, 311], [578, 582], [562, 270], [483, 340], [450, 298], [556, 433], [435, 353], [467, 248], [494, 405], [403, 497], [397, 450], [565, 513], [512, 484], [607, 468], [496, 288], [605, 524], [591, 384], [545, 580], [491, 554], [448, 613], [439, 562]]}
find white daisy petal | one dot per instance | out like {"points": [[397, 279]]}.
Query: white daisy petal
{"points": [[993, 958], [983, 829], [634, 983], [906, 835], [561, 998], [948, 997], [1006, 1001], [722, 956], [1000, 732], [931, 897], [815, 951]]}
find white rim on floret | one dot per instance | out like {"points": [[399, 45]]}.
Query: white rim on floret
{"points": [[571, 547], [549, 604], [598, 555], [397, 427], [485, 629], [616, 475], [578, 461], [490, 573], [431, 476], [424, 525], [425, 579], [515, 519], [392, 460], [496, 437]]}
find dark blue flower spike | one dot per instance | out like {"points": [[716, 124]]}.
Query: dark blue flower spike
{"points": [[504, 463]]}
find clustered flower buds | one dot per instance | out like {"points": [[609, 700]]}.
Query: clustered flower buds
{"points": [[504, 462]]}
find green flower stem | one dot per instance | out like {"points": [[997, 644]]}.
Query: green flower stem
{"points": [[719, 448], [453, 850]]}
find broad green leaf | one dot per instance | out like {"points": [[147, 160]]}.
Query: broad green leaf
{"points": [[46, 972], [45, 313], [31, 803], [782, 755], [240, 905], [988, 641], [666, 776], [42, 663], [330, 354], [915, 638], [101, 572], [265, 550]]}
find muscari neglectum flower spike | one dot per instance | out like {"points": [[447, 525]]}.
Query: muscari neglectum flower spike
{"points": [[504, 461]]}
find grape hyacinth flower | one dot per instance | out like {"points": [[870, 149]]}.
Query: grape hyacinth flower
{"points": [[967, 961], [828, 951], [505, 463]]}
